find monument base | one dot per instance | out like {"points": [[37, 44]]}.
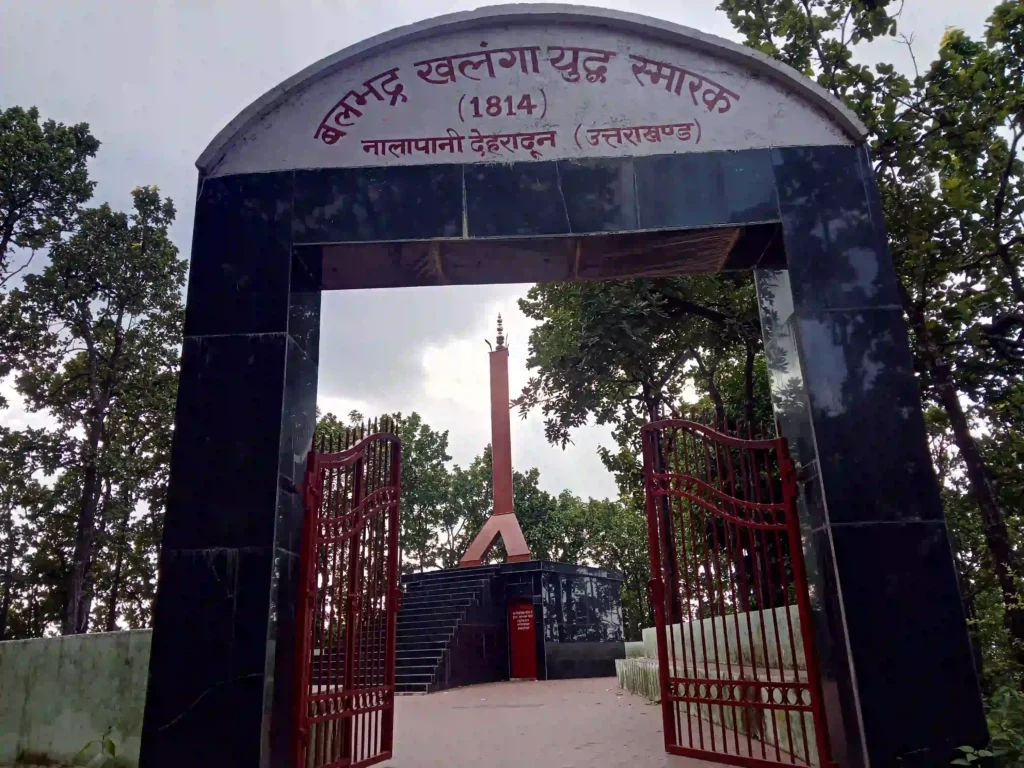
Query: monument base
{"points": [[454, 625], [505, 525]]}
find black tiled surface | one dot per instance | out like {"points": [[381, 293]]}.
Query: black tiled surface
{"points": [[298, 418], [599, 194], [290, 512], [280, 698], [208, 659], [909, 642], [305, 299], [307, 269], [581, 608], [241, 256], [836, 242], [515, 199], [400, 203], [759, 247], [224, 462], [582, 659], [304, 322], [837, 678], [782, 354], [705, 189], [868, 428]]}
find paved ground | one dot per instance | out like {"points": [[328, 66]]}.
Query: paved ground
{"points": [[553, 724]]}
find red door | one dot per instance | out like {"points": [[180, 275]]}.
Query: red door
{"points": [[522, 640]]}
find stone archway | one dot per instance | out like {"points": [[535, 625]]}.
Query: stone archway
{"points": [[531, 143]]}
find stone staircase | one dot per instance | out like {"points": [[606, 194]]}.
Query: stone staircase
{"points": [[434, 606]]}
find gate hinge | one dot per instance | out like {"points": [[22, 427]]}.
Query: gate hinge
{"points": [[805, 472]]}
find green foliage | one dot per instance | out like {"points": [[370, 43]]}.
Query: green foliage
{"points": [[1006, 729], [623, 353], [43, 179], [425, 481], [1006, 725], [946, 143], [93, 341], [444, 507], [104, 747]]}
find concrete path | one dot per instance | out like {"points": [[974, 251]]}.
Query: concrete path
{"points": [[553, 724]]}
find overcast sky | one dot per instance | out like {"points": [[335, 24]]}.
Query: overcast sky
{"points": [[157, 80]]}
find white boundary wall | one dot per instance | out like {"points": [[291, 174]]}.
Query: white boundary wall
{"points": [[58, 694]]}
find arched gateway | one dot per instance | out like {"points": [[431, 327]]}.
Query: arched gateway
{"points": [[532, 143]]}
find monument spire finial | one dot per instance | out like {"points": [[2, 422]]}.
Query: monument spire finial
{"points": [[501, 333]]}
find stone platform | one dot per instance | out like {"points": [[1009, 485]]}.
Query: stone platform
{"points": [[453, 624], [583, 723]]}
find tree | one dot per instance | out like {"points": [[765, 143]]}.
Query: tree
{"points": [[946, 145], [44, 180], [92, 328], [469, 502], [425, 481], [22, 455], [621, 352], [617, 540]]}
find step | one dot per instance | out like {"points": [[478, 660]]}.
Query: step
{"points": [[438, 577], [443, 611], [420, 677], [438, 612], [428, 632], [419, 660], [417, 646], [424, 637], [446, 603], [430, 601], [446, 587], [419, 629], [446, 599], [429, 619], [451, 573], [411, 687], [409, 631], [411, 673]]}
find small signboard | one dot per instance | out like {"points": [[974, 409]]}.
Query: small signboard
{"points": [[522, 640]]}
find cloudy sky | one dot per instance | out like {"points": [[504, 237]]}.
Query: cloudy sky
{"points": [[157, 80]]}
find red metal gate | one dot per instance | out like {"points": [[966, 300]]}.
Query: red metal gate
{"points": [[348, 581], [737, 664]]}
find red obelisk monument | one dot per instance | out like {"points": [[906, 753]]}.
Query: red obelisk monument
{"points": [[502, 521]]}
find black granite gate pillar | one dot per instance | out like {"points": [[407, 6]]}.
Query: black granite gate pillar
{"points": [[899, 678], [220, 675]]}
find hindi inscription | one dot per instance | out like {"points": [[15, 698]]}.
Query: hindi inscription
{"points": [[526, 92]]}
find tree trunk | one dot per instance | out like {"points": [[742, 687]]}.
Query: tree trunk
{"points": [[716, 398], [997, 536], [5, 603], [748, 387], [115, 589], [970, 611], [76, 618], [115, 586]]}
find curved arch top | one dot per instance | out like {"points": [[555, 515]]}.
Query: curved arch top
{"points": [[692, 67]]}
